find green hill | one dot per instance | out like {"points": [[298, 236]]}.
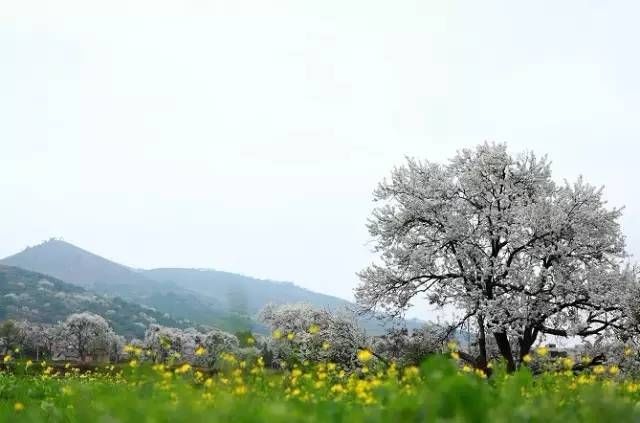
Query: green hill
{"points": [[202, 296], [40, 298], [71, 264]]}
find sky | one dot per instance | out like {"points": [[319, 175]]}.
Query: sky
{"points": [[248, 136]]}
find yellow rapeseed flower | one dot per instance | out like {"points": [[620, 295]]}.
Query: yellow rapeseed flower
{"points": [[240, 390], [18, 406], [542, 351], [364, 355], [567, 362], [599, 369], [200, 351], [183, 369], [337, 389], [480, 373], [614, 370]]}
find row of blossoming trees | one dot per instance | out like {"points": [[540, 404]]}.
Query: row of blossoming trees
{"points": [[299, 333]]}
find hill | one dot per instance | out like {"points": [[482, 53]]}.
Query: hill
{"points": [[74, 265], [202, 296], [240, 292], [40, 298]]}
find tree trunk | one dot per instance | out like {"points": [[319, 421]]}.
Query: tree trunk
{"points": [[505, 350], [527, 340], [482, 344]]}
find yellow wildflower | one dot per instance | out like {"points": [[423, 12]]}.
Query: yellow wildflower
{"points": [[542, 351], [7, 358], [326, 345], [364, 355], [567, 362], [313, 329], [290, 336], [240, 390], [337, 389], [614, 370], [200, 351], [277, 334], [18, 406]]}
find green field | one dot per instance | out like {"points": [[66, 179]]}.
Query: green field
{"points": [[439, 390]]}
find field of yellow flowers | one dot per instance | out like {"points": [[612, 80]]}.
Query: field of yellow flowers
{"points": [[442, 389]]}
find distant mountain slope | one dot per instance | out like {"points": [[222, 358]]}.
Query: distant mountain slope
{"points": [[41, 298], [75, 265], [227, 300], [247, 295], [242, 293], [67, 262]]}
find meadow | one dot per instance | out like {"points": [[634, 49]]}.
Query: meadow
{"points": [[441, 389]]}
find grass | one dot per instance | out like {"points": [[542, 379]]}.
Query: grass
{"points": [[439, 390]]}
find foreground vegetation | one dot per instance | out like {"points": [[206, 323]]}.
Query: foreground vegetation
{"points": [[439, 390]]}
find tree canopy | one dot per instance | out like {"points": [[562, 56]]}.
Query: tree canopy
{"points": [[494, 236]]}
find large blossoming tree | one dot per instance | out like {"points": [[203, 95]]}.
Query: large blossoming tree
{"points": [[494, 236]]}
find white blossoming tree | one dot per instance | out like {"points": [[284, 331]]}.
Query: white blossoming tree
{"points": [[411, 347], [495, 237], [217, 342], [85, 334], [301, 332]]}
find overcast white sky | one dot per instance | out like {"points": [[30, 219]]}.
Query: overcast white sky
{"points": [[248, 136]]}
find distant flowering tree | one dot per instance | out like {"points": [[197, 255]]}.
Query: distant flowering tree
{"points": [[217, 342], [13, 334], [85, 334], [492, 235], [164, 342], [190, 345], [41, 338], [411, 347], [301, 332]]}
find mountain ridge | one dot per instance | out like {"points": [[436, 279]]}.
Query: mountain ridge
{"points": [[204, 296]]}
